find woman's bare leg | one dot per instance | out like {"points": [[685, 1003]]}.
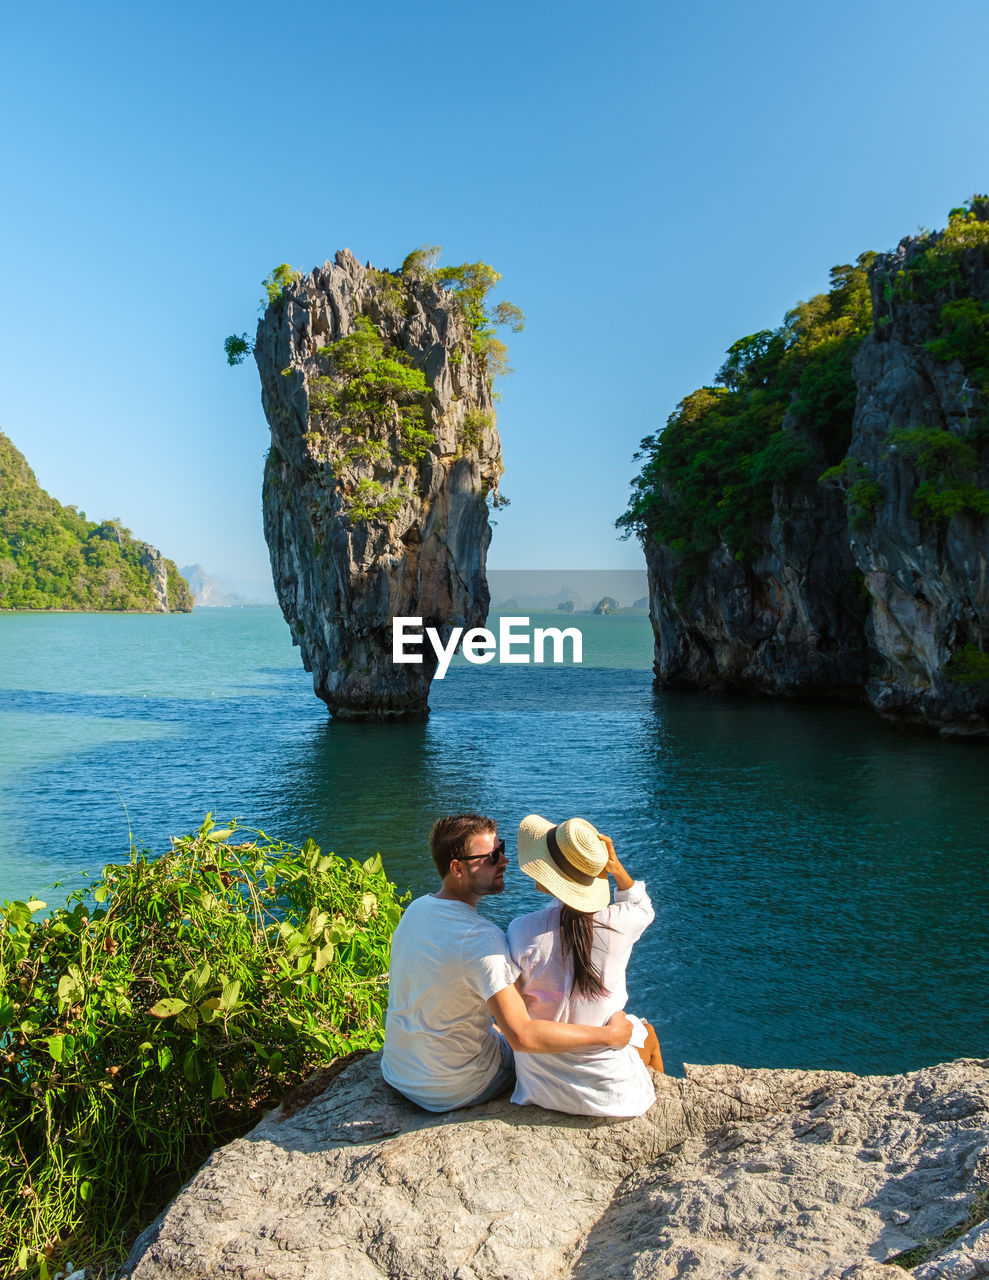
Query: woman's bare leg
{"points": [[650, 1051]]}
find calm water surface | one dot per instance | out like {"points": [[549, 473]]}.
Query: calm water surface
{"points": [[820, 880]]}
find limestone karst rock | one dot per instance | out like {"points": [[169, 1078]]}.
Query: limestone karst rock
{"points": [[753, 1174], [886, 602], [384, 458]]}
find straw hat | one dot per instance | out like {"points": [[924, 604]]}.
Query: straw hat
{"points": [[567, 860]]}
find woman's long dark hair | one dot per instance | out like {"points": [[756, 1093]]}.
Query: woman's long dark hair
{"points": [[577, 935]]}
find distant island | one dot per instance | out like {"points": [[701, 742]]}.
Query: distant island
{"points": [[52, 557], [207, 593]]}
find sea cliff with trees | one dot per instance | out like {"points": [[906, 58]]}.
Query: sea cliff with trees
{"points": [[815, 521], [52, 557]]}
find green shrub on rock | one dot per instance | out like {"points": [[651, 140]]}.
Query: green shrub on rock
{"points": [[968, 667], [159, 1013]]}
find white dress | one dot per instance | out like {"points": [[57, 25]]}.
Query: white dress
{"points": [[595, 1082]]}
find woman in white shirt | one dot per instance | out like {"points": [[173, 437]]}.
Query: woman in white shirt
{"points": [[573, 955]]}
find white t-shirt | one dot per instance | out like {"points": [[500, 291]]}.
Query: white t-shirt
{"points": [[441, 1047], [596, 1082]]}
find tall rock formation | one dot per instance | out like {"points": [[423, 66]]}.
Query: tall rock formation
{"points": [[859, 570], [384, 458]]}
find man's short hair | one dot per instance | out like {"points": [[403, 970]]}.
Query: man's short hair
{"points": [[450, 837]]}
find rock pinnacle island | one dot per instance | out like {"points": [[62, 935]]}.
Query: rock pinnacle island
{"points": [[384, 462]]}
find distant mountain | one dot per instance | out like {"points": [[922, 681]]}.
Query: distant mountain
{"points": [[52, 557], [205, 591], [220, 593]]}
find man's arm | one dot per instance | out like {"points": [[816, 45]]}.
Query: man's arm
{"points": [[537, 1035]]}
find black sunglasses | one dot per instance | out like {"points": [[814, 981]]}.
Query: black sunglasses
{"points": [[492, 857]]}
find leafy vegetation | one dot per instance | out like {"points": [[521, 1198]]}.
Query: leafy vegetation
{"points": [[370, 387], [52, 557], [937, 266], [237, 347], [475, 423], [863, 493], [277, 281], [369, 501], [159, 1013], [936, 269], [708, 477], [969, 666], [947, 464], [470, 283]]}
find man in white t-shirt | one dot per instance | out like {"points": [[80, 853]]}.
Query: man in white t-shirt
{"points": [[451, 974]]}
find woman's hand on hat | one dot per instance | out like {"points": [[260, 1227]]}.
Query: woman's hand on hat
{"points": [[612, 865], [614, 868]]}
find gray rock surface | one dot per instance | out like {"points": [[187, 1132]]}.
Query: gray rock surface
{"points": [[156, 567], [750, 1174], [871, 613], [340, 578]]}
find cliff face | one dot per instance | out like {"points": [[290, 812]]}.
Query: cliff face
{"points": [[789, 623], [384, 454], [872, 584], [926, 577]]}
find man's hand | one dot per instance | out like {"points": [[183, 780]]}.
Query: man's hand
{"points": [[621, 1026]]}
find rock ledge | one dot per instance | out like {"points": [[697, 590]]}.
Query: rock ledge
{"points": [[753, 1174]]}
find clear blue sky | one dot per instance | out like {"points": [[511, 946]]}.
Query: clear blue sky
{"points": [[652, 180]]}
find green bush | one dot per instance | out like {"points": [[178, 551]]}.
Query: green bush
{"points": [[416, 443], [936, 266], [475, 423], [947, 465], [470, 283], [277, 281], [863, 493], [367, 451], [391, 291], [159, 1013], [969, 666], [237, 346], [368, 502], [369, 387], [933, 502]]}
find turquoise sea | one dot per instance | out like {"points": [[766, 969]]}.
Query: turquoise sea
{"points": [[819, 878]]}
